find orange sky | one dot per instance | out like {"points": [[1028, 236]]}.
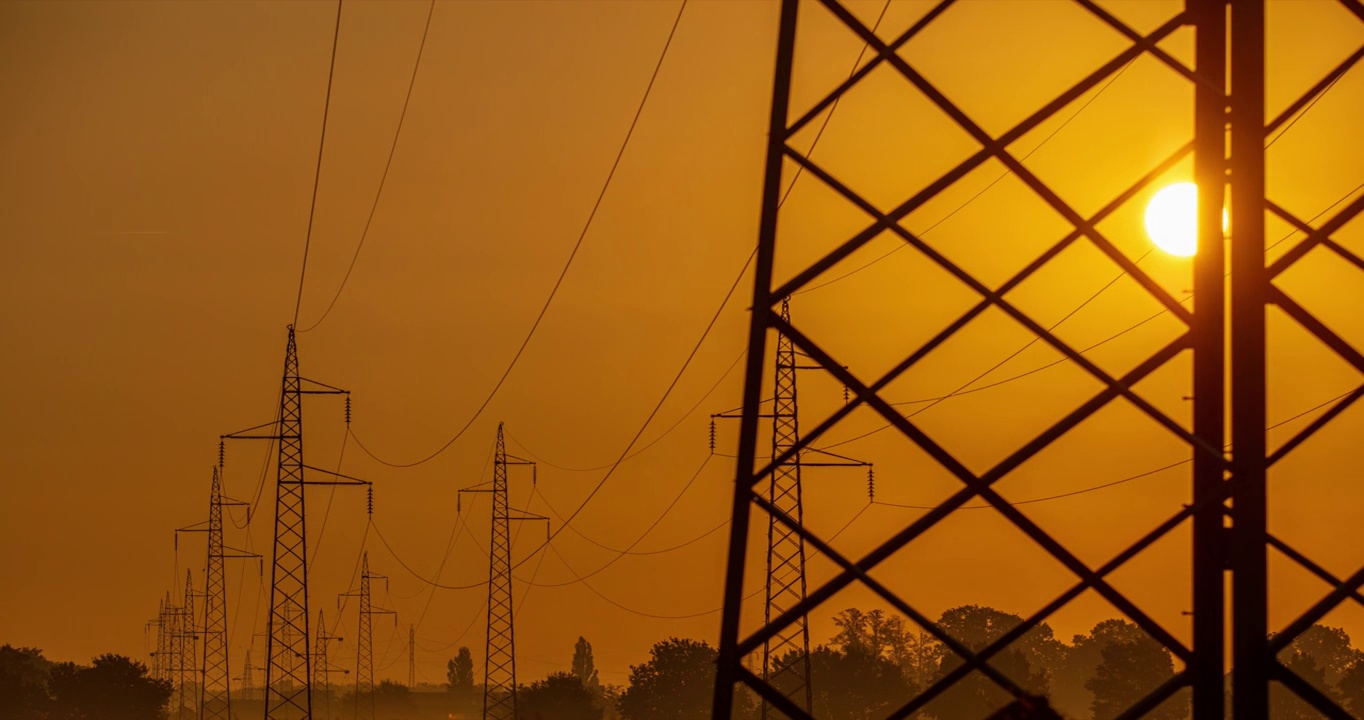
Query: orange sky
{"points": [[158, 164]]}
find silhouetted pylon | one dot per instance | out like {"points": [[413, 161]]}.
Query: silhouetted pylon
{"points": [[412, 657], [322, 667], [499, 660], [162, 646], [786, 664], [288, 674], [785, 659], [215, 686], [248, 676], [364, 641], [185, 642]]}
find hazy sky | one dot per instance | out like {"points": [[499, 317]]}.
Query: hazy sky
{"points": [[157, 169]]}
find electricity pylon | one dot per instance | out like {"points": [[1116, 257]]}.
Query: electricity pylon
{"points": [[322, 667], [248, 676], [158, 657], [412, 657], [288, 673], [785, 586], [499, 660], [785, 658], [1227, 510], [364, 642], [215, 696], [185, 641]]}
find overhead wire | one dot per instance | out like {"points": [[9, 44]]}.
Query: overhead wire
{"points": [[709, 326], [383, 178], [629, 549], [962, 389], [317, 175], [982, 191], [322, 531], [1128, 479], [652, 443], [601, 195]]}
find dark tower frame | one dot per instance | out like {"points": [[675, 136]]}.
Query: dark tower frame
{"points": [[1219, 476]]}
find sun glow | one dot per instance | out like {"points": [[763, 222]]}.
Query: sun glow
{"points": [[1172, 219]]}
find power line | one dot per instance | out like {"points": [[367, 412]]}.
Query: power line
{"points": [[601, 195], [983, 190], [582, 579], [1113, 483], [653, 442], [317, 175], [962, 389], [383, 177]]}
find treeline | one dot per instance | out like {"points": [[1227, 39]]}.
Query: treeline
{"points": [[111, 687], [870, 667], [876, 663]]}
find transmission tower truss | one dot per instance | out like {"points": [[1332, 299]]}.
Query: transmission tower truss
{"points": [[185, 644], [1225, 509], [288, 669], [215, 696], [499, 668], [364, 644]]}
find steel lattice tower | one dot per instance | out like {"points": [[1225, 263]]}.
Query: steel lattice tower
{"points": [[1225, 335], [162, 651], [185, 641], [364, 642], [248, 676], [288, 672], [785, 658], [215, 697], [499, 660], [412, 657], [786, 663], [322, 668]]}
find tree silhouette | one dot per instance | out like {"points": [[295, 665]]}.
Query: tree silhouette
{"points": [[393, 700], [1027, 662], [459, 672], [1128, 671], [1069, 693], [23, 683], [583, 666], [855, 685], [676, 683], [113, 687], [1324, 657], [561, 696]]}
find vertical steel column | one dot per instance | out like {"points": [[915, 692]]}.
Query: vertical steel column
{"points": [[1250, 649], [1209, 361], [730, 663]]}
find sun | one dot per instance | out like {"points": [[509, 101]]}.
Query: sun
{"points": [[1172, 219]]}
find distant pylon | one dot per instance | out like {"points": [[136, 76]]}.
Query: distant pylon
{"points": [[364, 642], [412, 657], [499, 660], [160, 654], [215, 697], [786, 655], [248, 676], [785, 659], [322, 668], [186, 637]]}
